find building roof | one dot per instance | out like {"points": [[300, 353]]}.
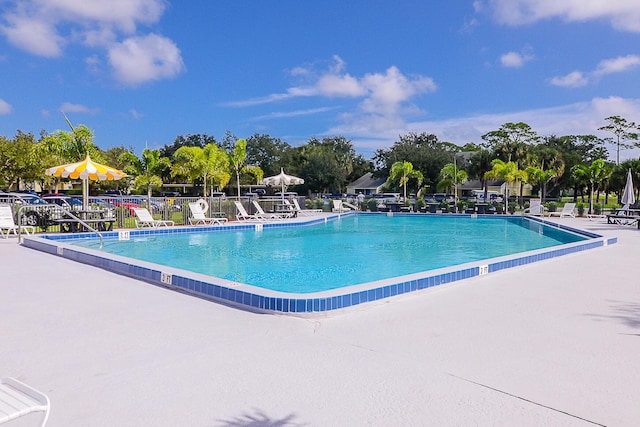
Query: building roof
{"points": [[367, 181]]}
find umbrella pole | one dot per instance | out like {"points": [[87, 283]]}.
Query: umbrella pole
{"points": [[85, 194]]}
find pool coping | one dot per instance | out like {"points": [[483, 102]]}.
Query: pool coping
{"points": [[256, 299]]}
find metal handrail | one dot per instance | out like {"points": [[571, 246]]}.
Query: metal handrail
{"points": [[64, 212]]}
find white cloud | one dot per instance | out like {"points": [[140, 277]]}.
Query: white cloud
{"points": [[140, 59], [5, 107], [35, 35], [44, 28], [573, 79], [288, 114], [582, 118], [136, 114], [606, 66], [385, 96], [68, 107], [515, 59], [617, 65], [622, 14]]}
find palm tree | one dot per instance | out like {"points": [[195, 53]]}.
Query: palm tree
{"points": [[479, 165], [507, 171], [538, 176], [237, 159], [147, 169], [402, 172], [451, 176], [210, 163], [594, 174]]}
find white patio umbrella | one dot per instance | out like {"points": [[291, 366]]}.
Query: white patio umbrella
{"points": [[628, 195], [86, 170], [283, 180]]}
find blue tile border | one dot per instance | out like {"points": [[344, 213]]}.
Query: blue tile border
{"points": [[252, 298]]}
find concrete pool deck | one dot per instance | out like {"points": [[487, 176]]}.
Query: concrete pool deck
{"points": [[556, 342]]}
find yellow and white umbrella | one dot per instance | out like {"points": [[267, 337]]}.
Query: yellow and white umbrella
{"points": [[86, 170]]}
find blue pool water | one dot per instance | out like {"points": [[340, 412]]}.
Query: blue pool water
{"points": [[349, 251]]}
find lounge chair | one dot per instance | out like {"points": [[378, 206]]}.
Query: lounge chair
{"points": [[338, 206], [7, 223], [624, 216], [260, 213], [144, 219], [199, 216], [242, 215], [303, 212], [535, 208], [567, 211], [18, 399]]}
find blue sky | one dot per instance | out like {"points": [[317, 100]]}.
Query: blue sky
{"points": [[141, 72]]}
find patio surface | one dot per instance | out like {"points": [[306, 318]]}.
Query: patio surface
{"points": [[551, 343]]}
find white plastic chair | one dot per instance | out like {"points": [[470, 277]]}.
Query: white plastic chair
{"points": [[567, 211], [18, 399], [535, 208], [7, 223], [260, 213], [199, 216], [304, 212], [145, 219], [242, 214]]}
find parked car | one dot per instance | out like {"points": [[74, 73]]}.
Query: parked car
{"points": [[100, 204], [120, 201], [66, 202], [34, 210]]}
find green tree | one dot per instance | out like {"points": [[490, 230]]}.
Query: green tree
{"points": [[572, 150], [267, 153], [593, 175], [540, 177], [509, 142], [211, 164], [479, 165], [401, 172], [147, 169], [19, 160], [237, 160], [623, 131], [508, 171], [424, 151], [451, 176]]}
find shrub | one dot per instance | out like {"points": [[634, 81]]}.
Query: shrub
{"points": [[552, 206], [580, 208], [597, 209]]}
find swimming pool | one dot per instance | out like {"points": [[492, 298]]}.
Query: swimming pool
{"points": [[358, 241], [353, 250]]}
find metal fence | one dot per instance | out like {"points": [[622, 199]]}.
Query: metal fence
{"points": [[109, 212]]}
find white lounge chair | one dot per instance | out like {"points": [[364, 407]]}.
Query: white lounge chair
{"points": [[145, 219], [7, 223], [199, 216], [18, 399], [264, 215], [535, 208], [304, 212], [242, 215], [567, 211], [338, 206]]}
